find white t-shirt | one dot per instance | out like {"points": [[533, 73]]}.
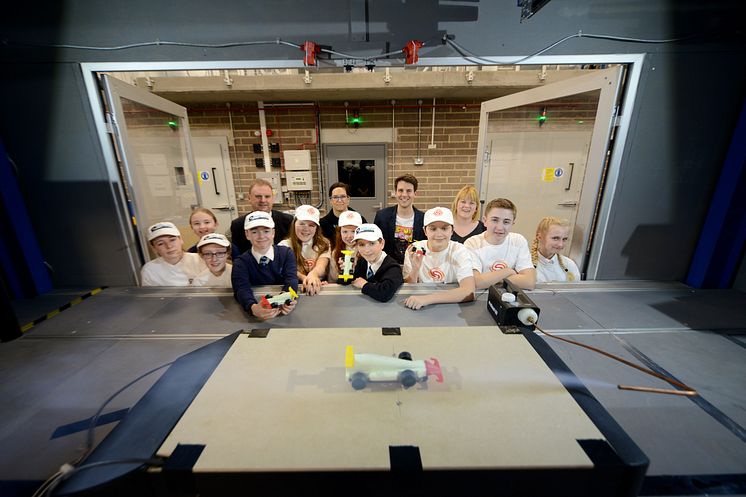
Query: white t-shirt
{"points": [[549, 269], [158, 272], [513, 252], [206, 278], [403, 232], [309, 253], [447, 266]]}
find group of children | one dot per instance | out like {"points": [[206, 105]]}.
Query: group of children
{"points": [[474, 253]]}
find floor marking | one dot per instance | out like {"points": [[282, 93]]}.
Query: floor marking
{"points": [[51, 314]]}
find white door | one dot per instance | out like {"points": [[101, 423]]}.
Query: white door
{"points": [[153, 142], [363, 167], [546, 150], [215, 178]]}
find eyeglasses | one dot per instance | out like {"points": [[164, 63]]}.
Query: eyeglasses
{"points": [[215, 255], [340, 198]]}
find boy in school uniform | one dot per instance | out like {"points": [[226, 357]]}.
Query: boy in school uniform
{"points": [[173, 266], [377, 274], [263, 264]]}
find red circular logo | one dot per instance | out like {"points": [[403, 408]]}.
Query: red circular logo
{"points": [[497, 265], [437, 274], [310, 264], [438, 212]]}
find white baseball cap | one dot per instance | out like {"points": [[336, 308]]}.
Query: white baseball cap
{"points": [[162, 228], [258, 218], [307, 213], [438, 214], [214, 238], [350, 218], [368, 231]]}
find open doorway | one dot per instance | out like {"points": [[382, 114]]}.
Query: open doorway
{"points": [[434, 138]]}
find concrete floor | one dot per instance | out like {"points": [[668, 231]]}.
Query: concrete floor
{"points": [[62, 369]]}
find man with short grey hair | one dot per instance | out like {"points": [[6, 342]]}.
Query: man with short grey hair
{"points": [[260, 198]]}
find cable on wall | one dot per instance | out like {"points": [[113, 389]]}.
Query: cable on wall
{"points": [[405, 53]]}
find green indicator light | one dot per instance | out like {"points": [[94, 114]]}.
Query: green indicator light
{"points": [[173, 124]]}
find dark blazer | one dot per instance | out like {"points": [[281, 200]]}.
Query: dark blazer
{"points": [[247, 273], [384, 283], [329, 225], [386, 220], [238, 234]]}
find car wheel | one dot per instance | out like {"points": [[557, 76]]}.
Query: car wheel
{"points": [[358, 380], [407, 378]]}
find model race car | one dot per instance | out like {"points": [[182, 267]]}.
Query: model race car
{"points": [[360, 369]]}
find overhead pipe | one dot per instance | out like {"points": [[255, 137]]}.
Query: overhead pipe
{"points": [[268, 108], [265, 142]]}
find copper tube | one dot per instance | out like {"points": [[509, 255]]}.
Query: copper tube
{"points": [[688, 393], [685, 389]]}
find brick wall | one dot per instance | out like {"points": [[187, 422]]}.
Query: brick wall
{"points": [[445, 168]]}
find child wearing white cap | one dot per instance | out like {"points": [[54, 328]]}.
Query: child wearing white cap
{"points": [[215, 250], [173, 266], [203, 222], [376, 274], [312, 250], [439, 260], [345, 237], [263, 264]]}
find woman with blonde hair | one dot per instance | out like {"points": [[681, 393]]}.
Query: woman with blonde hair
{"points": [[465, 208], [312, 250], [551, 236]]}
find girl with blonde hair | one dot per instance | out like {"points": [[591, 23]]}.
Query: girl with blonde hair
{"points": [[465, 208], [203, 222], [551, 236]]}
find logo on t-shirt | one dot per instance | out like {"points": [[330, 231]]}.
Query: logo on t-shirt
{"points": [[403, 233], [437, 274], [497, 265], [310, 264]]}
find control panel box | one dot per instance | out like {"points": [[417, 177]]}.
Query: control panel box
{"points": [[298, 181], [297, 160]]}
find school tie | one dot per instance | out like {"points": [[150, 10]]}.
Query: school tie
{"points": [[264, 261], [370, 273]]}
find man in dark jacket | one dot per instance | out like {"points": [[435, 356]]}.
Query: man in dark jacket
{"points": [[401, 224], [260, 197]]}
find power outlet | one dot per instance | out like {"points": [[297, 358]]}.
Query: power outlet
{"points": [[419, 161], [431, 146]]}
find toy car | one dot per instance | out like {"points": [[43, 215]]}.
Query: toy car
{"points": [[419, 250], [363, 368], [270, 302], [346, 275]]}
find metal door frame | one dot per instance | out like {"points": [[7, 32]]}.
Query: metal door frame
{"points": [[114, 90], [384, 179], [608, 81]]}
